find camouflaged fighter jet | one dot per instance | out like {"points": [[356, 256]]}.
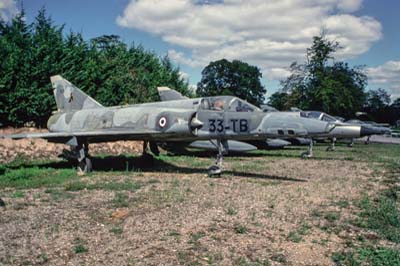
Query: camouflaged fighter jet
{"points": [[167, 94], [341, 131], [80, 120]]}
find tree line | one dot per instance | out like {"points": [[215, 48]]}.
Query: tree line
{"points": [[321, 83], [104, 67], [325, 84], [115, 74]]}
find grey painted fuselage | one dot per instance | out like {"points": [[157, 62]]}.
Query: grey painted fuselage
{"points": [[223, 117]]}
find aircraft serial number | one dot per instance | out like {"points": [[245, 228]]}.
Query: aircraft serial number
{"points": [[237, 125]]}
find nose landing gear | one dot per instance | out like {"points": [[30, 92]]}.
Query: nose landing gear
{"points": [[309, 152], [217, 169]]}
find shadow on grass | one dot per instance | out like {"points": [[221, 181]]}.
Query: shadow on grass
{"points": [[144, 164], [286, 152]]}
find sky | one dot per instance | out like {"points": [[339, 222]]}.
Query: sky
{"points": [[270, 34]]}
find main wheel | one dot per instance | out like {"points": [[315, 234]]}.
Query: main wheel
{"points": [[214, 171], [306, 155], [350, 145], [330, 148], [85, 165], [154, 148]]}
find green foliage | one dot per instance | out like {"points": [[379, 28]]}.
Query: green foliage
{"points": [[378, 108], [294, 237], [383, 216], [297, 236], [332, 216], [194, 237], [379, 256], [79, 246], [240, 229], [112, 186], [323, 84], [120, 200], [3, 169], [18, 194], [278, 100], [116, 230], [35, 177], [374, 256], [105, 68], [377, 99], [236, 78], [231, 211]]}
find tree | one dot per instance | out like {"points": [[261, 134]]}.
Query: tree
{"points": [[377, 106], [16, 43], [105, 68], [236, 78], [278, 100], [323, 84], [47, 51], [377, 100], [396, 103]]}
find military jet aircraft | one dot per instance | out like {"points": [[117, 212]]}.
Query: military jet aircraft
{"points": [[343, 130], [381, 129], [80, 120], [167, 94]]}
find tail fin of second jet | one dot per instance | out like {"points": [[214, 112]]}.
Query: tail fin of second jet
{"points": [[167, 94], [70, 98]]}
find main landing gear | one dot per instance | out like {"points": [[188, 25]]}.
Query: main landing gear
{"points": [[84, 162], [309, 152], [147, 159], [350, 145], [80, 152], [217, 169]]}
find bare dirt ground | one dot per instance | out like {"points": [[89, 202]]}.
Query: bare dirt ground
{"points": [[263, 211], [40, 149]]}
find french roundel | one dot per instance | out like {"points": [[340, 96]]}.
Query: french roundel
{"points": [[162, 122]]}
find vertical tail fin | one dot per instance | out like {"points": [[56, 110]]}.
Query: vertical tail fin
{"points": [[70, 98], [167, 94]]}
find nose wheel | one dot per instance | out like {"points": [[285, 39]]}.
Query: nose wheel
{"points": [[85, 166], [331, 147], [350, 145], [309, 152], [217, 169]]}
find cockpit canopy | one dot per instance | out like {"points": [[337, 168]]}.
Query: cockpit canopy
{"points": [[226, 103], [318, 115]]}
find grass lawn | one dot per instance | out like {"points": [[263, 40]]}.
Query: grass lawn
{"points": [[268, 208]]}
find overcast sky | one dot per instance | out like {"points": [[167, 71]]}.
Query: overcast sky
{"points": [[270, 34]]}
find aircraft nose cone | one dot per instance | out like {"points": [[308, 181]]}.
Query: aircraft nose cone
{"points": [[368, 131]]}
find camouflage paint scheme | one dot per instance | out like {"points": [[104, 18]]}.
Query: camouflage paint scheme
{"points": [[80, 116], [80, 120], [285, 125]]}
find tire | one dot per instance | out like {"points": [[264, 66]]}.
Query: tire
{"points": [[214, 171], [85, 165]]}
